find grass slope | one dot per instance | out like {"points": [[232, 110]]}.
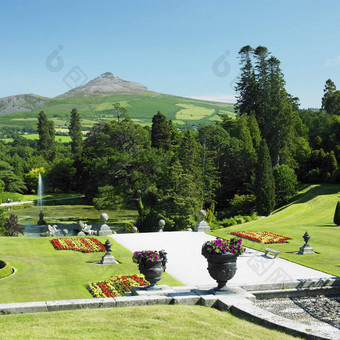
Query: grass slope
{"points": [[48, 274], [142, 107], [313, 211], [144, 322]]}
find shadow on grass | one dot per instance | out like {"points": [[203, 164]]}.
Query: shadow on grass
{"points": [[305, 196]]}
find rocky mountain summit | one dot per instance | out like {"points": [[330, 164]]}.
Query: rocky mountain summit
{"points": [[21, 102], [107, 83]]}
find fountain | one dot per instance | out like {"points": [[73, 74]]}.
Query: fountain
{"points": [[39, 202]]}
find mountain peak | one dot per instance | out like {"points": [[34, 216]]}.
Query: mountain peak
{"points": [[107, 83]]}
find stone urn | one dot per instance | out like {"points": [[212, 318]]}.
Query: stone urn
{"points": [[222, 256], [152, 270], [221, 268]]}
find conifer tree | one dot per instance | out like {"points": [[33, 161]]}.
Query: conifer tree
{"points": [[246, 86], [43, 131], [264, 182], [75, 133], [46, 142], [160, 132], [337, 214]]}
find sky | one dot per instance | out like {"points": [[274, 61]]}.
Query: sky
{"points": [[180, 47]]}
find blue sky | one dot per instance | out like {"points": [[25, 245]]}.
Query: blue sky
{"points": [[185, 47]]}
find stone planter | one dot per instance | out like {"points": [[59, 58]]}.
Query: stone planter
{"points": [[221, 268], [152, 271]]}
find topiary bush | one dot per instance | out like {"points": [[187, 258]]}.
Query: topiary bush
{"points": [[337, 214], [5, 269]]}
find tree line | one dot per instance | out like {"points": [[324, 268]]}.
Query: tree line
{"points": [[233, 167]]}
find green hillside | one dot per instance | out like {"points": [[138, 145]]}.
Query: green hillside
{"points": [[142, 107], [313, 212]]}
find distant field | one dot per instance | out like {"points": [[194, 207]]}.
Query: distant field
{"points": [[193, 112], [142, 107], [61, 139]]}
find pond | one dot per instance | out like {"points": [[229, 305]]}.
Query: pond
{"points": [[33, 230]]}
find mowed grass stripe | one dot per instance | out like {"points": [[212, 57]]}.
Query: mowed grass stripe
{"points": [[313, 212]]}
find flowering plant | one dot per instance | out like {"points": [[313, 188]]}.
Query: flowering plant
{"points": [[149, 256], [222, 246], [262, 236], [116, 285], [84, 244]]}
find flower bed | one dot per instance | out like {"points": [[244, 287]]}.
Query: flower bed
{"points": [[84, 244], [262, 236], [116, 285]]}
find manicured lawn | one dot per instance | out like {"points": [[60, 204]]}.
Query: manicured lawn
{"points": [[312, 212], [145, 322], [48, 274]]}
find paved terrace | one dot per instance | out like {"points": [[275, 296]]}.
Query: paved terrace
{"points": [[187, 265]]}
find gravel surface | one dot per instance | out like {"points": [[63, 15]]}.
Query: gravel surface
{"points": [[319, 311]]}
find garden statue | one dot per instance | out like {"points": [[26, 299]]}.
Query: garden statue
{"points": [[41, 218], [202, 225], [86, 229], [52, 230]]}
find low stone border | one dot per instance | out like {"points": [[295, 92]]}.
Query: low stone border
{"points": [[238, 301]]}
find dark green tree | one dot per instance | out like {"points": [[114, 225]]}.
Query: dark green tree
{"points": [[246, 86], [264, 182], [75, 133], [331, 98], [2, 188], [337, 214], [46, 142], [2, 223], [285, 183], [13, 183], [160, 132], [254, 131]]}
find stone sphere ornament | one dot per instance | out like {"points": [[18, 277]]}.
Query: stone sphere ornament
{"points": [[202, 214], [104, 217]]}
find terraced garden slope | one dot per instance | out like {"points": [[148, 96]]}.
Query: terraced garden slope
{"points": [[313, 212], [48, 274]]}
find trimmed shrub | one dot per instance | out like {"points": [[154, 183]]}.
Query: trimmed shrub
{"points": [[5, 269], [337, 214]]}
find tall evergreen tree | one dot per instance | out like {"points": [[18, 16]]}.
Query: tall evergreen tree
{"points": [[246, 86], [43, 131], [331, 98], [75, 133], [46, 142], [160, 132], [337, 214], [328, 90], [264, 182], [261, 76], [254, 131]]}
